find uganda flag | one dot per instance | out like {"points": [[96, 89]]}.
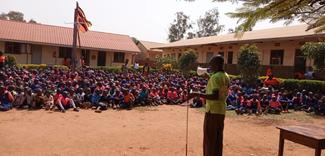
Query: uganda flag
{"points": [[83, 23]]}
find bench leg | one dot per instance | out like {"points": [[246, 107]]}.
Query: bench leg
{"points": [[318, 152], [281, 145]]}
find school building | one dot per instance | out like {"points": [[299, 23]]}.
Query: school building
{"points": [[279, 48], [47, 44]]}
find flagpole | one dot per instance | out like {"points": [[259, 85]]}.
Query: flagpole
{"points": [[74, 44]]}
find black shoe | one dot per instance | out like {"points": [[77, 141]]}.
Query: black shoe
{"points": [[76, 109]]}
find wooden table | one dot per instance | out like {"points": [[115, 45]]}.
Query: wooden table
{"points": [[308, 135]]}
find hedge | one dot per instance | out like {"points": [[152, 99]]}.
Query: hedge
{"points": [[315, 86], [111, 69], [40, 66]]}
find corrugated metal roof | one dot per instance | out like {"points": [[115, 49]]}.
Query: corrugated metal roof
{"points": [[63, 36], [150, 45], [287, 32]]}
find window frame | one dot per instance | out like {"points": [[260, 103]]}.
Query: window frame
{"points": [[65, 52], [13, 48], [277, 55], [116, 58]]}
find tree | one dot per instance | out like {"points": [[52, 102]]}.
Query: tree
{"points": [[179, 27], [316, 51], [32, 21], [311, 12], [249, 63], [3, 16], [16, 16], [208, 25], [187, 60]]}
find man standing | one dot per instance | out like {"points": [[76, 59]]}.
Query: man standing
{"points": [[216, 95]]}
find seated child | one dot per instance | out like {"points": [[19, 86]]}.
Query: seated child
{"points": [[255, 106], [6, 99], [173, 97], [38, 100], [128, 100], [144, 96], [297, 102], [48, 101], [63, 102], [283, 99], [154, 97], [275, 106], [97, 101]]}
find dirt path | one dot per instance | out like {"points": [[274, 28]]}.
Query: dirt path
{"points": [[140, 132]]}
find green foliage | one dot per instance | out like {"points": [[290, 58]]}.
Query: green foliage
{"points": [[187, 61], [109, 69], [249, 63], [209, 24], [252, 11], [10, 60], [160, 61], [179, 27], [316, 51], [309, 85], [40, 66], [15, 16]]}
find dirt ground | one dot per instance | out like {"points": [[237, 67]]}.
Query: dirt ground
{"points": [[146, 131]]}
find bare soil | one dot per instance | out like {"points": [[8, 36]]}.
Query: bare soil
{"points": [[146, 131]]}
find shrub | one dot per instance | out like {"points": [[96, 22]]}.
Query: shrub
{"points": [[309, 85], [40, 66], [110, 69], [11, 60], [187, 61], [249, 63], [165, 60]]}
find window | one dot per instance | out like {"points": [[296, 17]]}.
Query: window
{"points": [[276, 57], [65, 52], [13, 48], [230, 56], [209, 56], [119, 57]]}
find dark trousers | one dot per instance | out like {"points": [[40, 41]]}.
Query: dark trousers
{"points": [[213, 134]]}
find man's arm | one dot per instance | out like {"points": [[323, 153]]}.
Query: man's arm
{"points": [[213, 96]]}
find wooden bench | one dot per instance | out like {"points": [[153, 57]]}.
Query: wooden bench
{"points": [[308, 135]]}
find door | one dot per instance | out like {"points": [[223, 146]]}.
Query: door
{"points": [[101, 58], [36, 54], [300, 62]]}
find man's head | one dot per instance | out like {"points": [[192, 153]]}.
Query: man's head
{"points": [[216, 63]]}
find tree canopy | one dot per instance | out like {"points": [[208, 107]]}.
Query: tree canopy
{"points": [[15, 16], [311, 12], [207, 25], [249, 63], [179, 27], [316, 51], [187, 61]]}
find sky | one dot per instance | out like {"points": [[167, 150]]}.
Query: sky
{"points": [[144, 19]]}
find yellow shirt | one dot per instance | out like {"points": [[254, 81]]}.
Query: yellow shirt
{"points": [[218, 81]]}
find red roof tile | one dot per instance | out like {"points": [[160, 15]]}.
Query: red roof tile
{"points": [[62, 36]]}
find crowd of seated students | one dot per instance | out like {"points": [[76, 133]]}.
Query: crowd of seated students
{"points": [[269, 99], [58, 89]]}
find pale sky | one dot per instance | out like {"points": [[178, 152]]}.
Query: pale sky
{"points": [[144, 19]]}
